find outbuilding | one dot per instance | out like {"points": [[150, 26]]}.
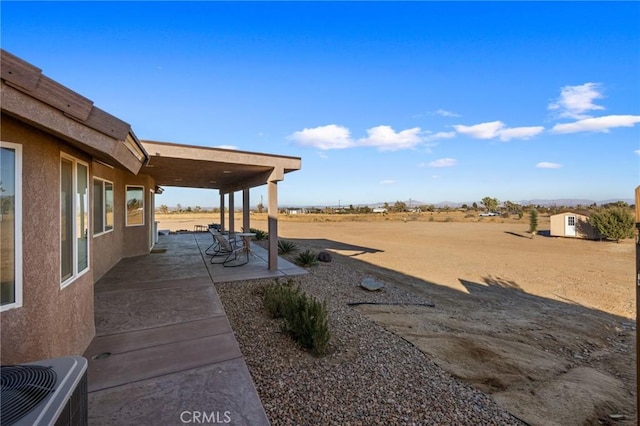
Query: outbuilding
{"points": [[574, 225]]}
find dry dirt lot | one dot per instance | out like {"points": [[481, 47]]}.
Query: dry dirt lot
{"points": [[544, 325]]}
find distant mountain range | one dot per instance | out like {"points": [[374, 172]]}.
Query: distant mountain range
{"points": [[567, 202]]}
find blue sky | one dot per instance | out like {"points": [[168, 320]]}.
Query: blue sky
{"points": [[383, 101]]}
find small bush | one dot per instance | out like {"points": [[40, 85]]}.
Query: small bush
{"points": [[285, 247], [613, 223], [279, 299], [305, 318], [307, 258], [533, 222], [260, 234]]}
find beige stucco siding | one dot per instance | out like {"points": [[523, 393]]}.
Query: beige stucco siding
{"points": [[60, 321]]}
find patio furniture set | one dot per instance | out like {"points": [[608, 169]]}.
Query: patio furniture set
{"points": [[228, 248]]}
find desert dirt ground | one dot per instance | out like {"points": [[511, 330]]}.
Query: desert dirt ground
{"points": [[544, 325]]}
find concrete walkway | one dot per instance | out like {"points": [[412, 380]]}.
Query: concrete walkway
{"points": [[164, 352]]}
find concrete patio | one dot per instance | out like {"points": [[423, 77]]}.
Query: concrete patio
{"points": [[164, 352]]}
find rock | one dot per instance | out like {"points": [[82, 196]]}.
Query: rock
{"points": [[372, 284], [324, 256], [617, 416]]}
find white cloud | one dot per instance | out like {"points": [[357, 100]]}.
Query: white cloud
{"points": [[440, 135], [597, 124], [548, 165], [637, 151], [231, 147], [445, 113], [497, 129], [520, 133], [576, 101], [388, 182], [487, 130], [331, 136], [443, 162], [386, 139]]}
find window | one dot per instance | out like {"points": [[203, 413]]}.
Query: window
{"points": [[10, 225], [135, 205], [74, 219], [102, 206]]}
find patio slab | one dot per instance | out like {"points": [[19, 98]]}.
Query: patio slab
{"points": [[255, 269], [224, 390], [164, 349]]}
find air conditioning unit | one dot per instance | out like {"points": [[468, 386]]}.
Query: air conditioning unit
{"points": [[47, 392]]}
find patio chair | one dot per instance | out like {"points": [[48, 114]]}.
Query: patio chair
{"points": [[215, 246], [230, 253]]}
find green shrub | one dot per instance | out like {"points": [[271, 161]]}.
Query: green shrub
{"points": [[307, 258], [260, 234], [533, 222], [305, 318], [285, 247], [614, 223]]}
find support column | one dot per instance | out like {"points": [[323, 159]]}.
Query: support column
{"points": [[272, 209], [246, 211], [221, 211], [232, 209]]}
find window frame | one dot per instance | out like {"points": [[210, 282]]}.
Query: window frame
{"points": [[104, 230], [75, 274], [17, 229], [126, 202]]}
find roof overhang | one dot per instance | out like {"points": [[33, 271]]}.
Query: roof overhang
{"points": [[227, 170], [29, 96]]}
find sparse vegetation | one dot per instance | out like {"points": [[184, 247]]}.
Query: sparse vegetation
{"points": [[260, 234], [491, 204], [307, 258], [533, 222], [285, 247], [614, 223], [305, 318]]}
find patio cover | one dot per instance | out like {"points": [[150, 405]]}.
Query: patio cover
{"points": [[227, 171]]}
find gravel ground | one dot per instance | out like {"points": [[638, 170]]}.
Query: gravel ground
{"points": [[370, 376]]}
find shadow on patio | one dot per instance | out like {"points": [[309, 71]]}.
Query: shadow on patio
{"points": [[164, 352]]}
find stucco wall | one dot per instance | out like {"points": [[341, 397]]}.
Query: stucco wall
{"points": [[136, 238], [52, 321], [56, 321], [107, 248]]}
